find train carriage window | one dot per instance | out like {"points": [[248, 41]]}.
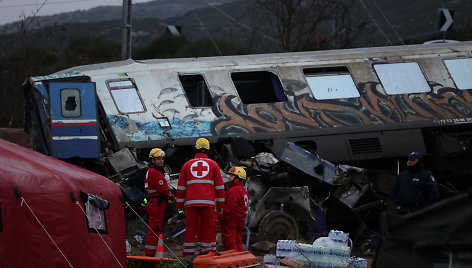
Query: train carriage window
{"points": [[196, 90], [402, 78], [331, 83], [70, 102], [460, 70], [258, 87], [126, 96]]}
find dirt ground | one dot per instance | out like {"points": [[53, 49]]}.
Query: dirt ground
{"points": [[173, 246]]}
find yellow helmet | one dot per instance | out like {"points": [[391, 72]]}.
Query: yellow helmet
{"points": [[202, 143], [156, 152], [238, 171]]}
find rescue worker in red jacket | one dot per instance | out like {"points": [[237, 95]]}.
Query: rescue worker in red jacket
{"points": [[200, 190], [235, 211], [158, 194]]}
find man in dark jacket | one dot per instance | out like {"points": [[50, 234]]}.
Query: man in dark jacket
{"points": [[415, 188]]}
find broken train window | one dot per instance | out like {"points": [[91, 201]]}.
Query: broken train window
{"points": [[331, 83], [258, 87], [126, 96], [196, 90], [95, 207], [70, 102]]}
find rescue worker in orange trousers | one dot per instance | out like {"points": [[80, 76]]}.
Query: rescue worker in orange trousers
{"points": [[200, 190], [158, 195], [235, 211]]}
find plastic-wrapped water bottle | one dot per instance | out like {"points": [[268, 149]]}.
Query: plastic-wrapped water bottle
{"points": [[290, 245], [339, 237], [333, 234], [345, 254], [305, 252], [284, 248], [325, 254], [279, 250], [295, 251], [316, 256], [269, 259], [283, 251], [357, 263], [308, 253], [299, 253]]}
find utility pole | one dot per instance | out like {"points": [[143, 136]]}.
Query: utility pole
{"points": [[126, 39]]}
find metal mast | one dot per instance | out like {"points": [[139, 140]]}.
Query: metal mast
{"points": [[126, 39]]}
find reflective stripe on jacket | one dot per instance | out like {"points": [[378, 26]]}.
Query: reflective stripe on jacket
{"points": [[155, 184], [236, 203]]}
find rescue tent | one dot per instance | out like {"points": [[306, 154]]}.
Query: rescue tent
{"points": [[54, 214]]}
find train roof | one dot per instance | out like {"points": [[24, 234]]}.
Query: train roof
{"points": [[131, 65]]}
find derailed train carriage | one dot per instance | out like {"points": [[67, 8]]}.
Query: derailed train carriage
{"points": [[368, 107]]}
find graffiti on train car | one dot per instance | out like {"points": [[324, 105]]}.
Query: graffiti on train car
{"points": [[132, 130], [373, 107], [299, 112]]}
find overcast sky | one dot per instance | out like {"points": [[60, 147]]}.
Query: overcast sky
{"points": [[14, 10]]}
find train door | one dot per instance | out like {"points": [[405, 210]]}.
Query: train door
{"points": [[74, 127]]}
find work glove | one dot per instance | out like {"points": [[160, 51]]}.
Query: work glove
{"points": [[143, 204], [181, 214]]}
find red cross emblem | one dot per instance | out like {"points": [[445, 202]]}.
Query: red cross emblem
{"points": [[199, 169]]}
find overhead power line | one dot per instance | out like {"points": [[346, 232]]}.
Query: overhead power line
{"points": [[240, 23], [148, 17], [388, 21], [34, 14], [208, 33], [149, 20], [375, 22], [50, 3]]}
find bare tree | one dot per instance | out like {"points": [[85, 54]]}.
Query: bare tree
{"points": [[294, 22], [345, 25]]}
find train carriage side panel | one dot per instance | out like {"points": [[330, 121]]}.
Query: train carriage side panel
{"points": [[148, 103], [147, 109]]}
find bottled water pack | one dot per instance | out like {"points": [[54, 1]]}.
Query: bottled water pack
{"points": [[357, 263], [332, 251], [270, 259], [284, 248], [339, 237]]}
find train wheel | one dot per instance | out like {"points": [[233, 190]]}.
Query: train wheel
{"points": [[278, 225]]}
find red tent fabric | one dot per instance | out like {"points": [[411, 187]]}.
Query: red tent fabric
{"points": [[58, 234]]}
